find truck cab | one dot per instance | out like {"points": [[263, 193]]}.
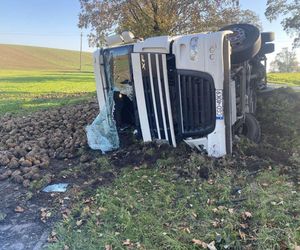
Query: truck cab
{"points": [[197, 88]]}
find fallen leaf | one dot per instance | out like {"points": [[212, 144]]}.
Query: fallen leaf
{"points": [[215, 224], [242, 235], [230, 210], [52, 237], [45, 214], [199, 243], [19, 209], [86, 210], [88, 200], [66, 247], [126, 242], [215, 210], [211, 246], [102, 209], [194, 214], [246, 215], [108, 247], [66, 213], [297, 248], [79, 223], [210, 182], [280, 203]]}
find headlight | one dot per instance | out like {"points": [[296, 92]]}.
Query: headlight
{"points": [[194, 50]]}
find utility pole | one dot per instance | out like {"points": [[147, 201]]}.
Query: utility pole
{"points": [[80, 50]]}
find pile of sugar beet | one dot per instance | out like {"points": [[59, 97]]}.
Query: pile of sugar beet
{"points": [[27, 143]]}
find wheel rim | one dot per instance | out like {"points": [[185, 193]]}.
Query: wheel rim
{"points": [[237, 37]]}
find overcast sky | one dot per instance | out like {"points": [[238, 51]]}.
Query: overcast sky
{"points": [[53, 23]]}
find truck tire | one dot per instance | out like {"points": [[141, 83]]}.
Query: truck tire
{"points": [[267, 37], [251, 128], [267, 48], [245, 41]]}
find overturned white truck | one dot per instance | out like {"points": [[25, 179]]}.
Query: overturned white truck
{"points": [[197, 88]]}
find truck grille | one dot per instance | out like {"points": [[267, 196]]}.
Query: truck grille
{"points": [[197, 105], [177, 103], [157, 96]]}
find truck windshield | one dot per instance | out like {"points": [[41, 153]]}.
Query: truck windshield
{"points": [[117, 69]]}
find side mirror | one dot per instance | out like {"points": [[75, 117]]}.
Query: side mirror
{"points": [[114, 40], [128, 37]]}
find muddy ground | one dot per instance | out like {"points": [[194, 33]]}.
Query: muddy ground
{"points": [[50, 147]]}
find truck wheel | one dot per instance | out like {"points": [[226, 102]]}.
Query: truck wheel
{"points": [[267, 37], [245, 41], [251, 128], [267, 48]]}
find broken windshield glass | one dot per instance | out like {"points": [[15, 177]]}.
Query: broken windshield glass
{"points": [[102, 133], [117, 69]]}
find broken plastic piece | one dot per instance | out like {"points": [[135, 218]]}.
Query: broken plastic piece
{"points": [[60, 187]]}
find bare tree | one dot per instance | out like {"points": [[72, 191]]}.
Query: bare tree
{"points": [[159, 17]]}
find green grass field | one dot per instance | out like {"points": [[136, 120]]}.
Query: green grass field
{"points": [[153, 208], [26, 91], [17, 57], [290, 79], [33, 78]]}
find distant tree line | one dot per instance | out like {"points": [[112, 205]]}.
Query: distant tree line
{"points": [[285, 61]]}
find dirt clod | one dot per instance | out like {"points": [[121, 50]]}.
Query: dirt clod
{"points": [[26, 163], [85, 158], [26, 183]]}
